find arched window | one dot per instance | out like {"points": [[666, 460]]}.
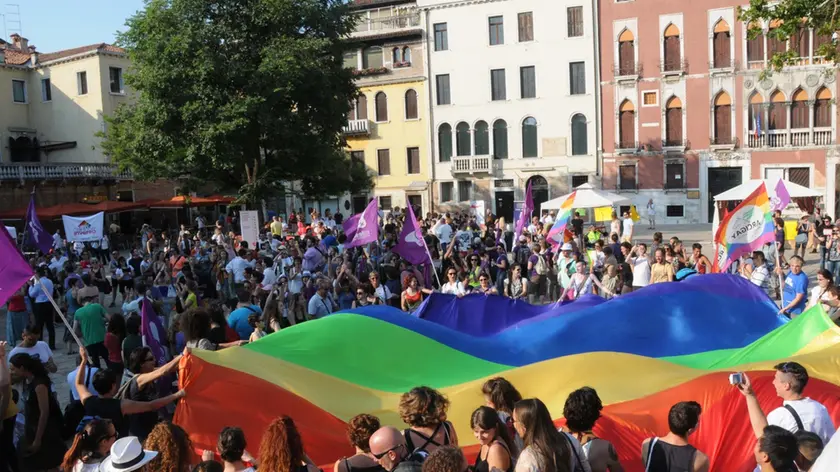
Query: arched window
{"points": [[822, 109], [372, 57], [671, 44], [445, 142], [756, 115], [799, 112], [529, 137], [774, 44], [411, 105], [721, 45], [396, 55], [626, 53], [778, 111], [500, 139], [482, 139], [406, 55], [381, 102], [359, 111], [673, 122], [579, 136], [723, 119], [462, 139], [626, 125]]}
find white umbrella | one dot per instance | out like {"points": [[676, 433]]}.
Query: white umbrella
{"points": [[586, 197], [744, 190]]}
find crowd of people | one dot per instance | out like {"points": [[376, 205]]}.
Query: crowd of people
{"points": [[212, 290]]}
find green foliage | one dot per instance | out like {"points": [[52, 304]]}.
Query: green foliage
{"points": [[238, 93], [821, 15]]}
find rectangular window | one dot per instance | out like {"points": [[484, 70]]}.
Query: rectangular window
{"points": [[464, 189], [578, 180], [413, 160], [442, 86], [81, 83], [577, 78], [46, 90], [674, 175], [627, 177], [351, 60], [527, 82], [446, 191], [574, 22], [674, 211], [19, 91], [357, 157], [441, 37], [385, 203], [498, 87], [116, 80], [526, 26], [650, 99], [497, 30], [383, 158]]}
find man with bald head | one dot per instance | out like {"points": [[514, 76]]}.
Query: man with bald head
{"points": [[387, 445]]}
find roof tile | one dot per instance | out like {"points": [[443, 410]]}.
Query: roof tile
{"points": [[15, 56]]}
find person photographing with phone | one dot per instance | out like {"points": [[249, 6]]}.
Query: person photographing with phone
{"points": [[797, 413]]}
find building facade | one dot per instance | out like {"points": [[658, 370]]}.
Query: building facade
{"points": [[55, 104], [387, 126], [512, 99], [687, 115]]}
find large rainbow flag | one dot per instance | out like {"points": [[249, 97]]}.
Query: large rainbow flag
{"points": [[642, 352]]}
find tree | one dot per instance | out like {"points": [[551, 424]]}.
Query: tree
{"points": [[238, 93], [788, 18]]}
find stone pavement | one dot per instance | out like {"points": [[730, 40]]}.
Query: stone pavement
{"points": [[689, 234]]}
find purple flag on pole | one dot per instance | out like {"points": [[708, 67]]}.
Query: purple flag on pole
{"points": [[411, 245], [525, 216], [349, 225], [366, 229], [153, 332], [782, 199], [14, 270], [35, 233]]}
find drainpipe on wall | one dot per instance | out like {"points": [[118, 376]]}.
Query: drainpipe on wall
{"points": [[429, 113], [599, 150]]}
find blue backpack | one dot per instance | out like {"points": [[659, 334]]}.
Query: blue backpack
{"points": [[684, 274]]}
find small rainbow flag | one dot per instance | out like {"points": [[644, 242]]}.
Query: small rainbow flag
{"points": [[746, 229], [564, 216]]}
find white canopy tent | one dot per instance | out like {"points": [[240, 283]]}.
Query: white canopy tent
{"points": [[586, 197]]}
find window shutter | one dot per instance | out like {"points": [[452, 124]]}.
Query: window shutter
{"points": [[381, 107], [627, 132], [673, 121], [723, 124], [384, 161], [411, 105], [721, 52], [361, 108], [413, 160]]}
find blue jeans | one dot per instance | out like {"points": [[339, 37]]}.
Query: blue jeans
{"points": [[834, 268], [16, 322], [822, 257]]}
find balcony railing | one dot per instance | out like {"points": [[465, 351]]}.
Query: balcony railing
{"points": [[356, 128], [777, 138], [724, 141], [673, 67], [799, 137], [627, 147], [31, 171], [627, 186], [722, 66], [472, 164], [388, 24], [674, 144], [627, 72], [823, 137]]}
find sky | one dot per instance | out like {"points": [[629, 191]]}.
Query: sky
{"points": [[52, 25]]}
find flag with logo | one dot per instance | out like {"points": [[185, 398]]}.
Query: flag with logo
{"points": [[365, 229], [746, 229], [525, 216], [84, 228], [35, 233], [14, 270], [152, 330], [564, 216], [782, 198], [411, 245]]}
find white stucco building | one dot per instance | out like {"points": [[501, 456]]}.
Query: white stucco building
{"points": [[512, 97]]}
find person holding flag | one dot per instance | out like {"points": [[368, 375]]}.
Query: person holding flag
{"points": [[411, 245], [564, 217], [36, 235], [525, 216], [744, 230]]}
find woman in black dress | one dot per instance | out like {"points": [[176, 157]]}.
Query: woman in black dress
{"points": [[41, 448]]}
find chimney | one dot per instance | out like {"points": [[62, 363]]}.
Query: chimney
{"points": [[33, 56], [20, 42]]}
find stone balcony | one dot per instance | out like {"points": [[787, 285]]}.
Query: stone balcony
{"points": [[356, 128], [27, 171], [403, 21], [469, 165]]}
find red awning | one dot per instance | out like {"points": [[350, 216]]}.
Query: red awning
{"points": [[72, 209], [180, 201]]}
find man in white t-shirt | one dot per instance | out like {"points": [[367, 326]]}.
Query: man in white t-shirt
{"points": [[640, 263], [36, 349], [444, 233], [627, 228]]}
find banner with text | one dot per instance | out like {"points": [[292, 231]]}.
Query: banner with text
{"points": [[250, 224], [84, 228]]}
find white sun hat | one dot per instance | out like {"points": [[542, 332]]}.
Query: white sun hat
{"points": [[127, 454]]}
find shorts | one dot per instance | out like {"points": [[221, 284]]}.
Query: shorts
{"points": [[539, 287]]}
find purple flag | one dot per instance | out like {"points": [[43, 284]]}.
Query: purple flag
{"points": [[782, 198], [153, 332], [35, 234], [525, 216], [349, 225], [411, 245], [14, 270], [366, 228]]}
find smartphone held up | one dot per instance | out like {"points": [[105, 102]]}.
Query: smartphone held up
{"points": [[736, 378]]}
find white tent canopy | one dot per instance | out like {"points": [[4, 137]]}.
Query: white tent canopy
{"points": [[744, 190], [586, 197]]}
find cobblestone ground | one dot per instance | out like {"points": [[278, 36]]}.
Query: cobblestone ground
{"points": [[688, 233]]}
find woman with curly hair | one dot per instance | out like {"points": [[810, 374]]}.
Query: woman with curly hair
{"points": [[281, 448], [583, 408], [174, 448], [546, 448], [195, 324], [446, 459], [359, 430], [501, 395], [424, 410], [497, 448], [90, 445]]}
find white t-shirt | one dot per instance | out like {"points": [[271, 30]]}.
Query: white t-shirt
{"points": [[641, 271], [383, 293], [444, 233], [815, 296], [450, 288], [40, 351], [814, 416], [628, 227]]}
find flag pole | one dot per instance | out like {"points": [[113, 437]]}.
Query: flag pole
{"points": [[58, 310], [432, 262]]}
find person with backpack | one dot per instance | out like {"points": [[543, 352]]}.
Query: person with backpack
{"points": [[672, 452], [388, 447], [582, 409], [538, 269], [423, 409], [546, 448]]}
